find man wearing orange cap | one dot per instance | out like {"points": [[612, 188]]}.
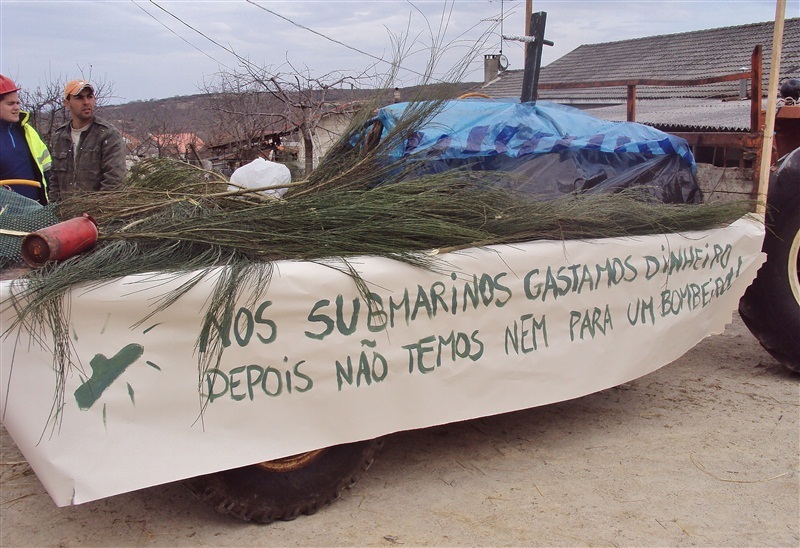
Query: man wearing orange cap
{"points": [[88, 152]]}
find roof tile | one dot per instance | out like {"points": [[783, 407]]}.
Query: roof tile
{"points": [[697, 54]]}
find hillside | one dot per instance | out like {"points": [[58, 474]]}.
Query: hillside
{"points": [[207, 116]]}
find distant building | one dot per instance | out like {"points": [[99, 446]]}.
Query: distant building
{"points": [[689, 55], [182, 146], [276, 145]]}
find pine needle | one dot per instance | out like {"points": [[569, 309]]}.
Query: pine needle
{"points": [[172, 217]]}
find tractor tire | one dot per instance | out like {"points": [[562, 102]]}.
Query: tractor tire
{"points": [[771, 305], [284, 488]]}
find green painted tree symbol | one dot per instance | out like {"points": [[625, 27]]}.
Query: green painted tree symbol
{"points": [[104, 372]]}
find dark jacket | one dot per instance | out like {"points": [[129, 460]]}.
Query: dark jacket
{"points": [[23, 155], [99, 164]]}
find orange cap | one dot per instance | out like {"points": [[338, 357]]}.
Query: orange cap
{"points": [[7, 85], [75, 87]]}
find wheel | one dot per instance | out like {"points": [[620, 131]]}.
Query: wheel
{"points": [[285, 488], [771, 305]]}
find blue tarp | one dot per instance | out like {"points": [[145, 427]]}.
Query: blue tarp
{"points": [[553, 149]]}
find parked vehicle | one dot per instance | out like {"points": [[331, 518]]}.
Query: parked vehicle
{"points": [[499, 331], [770, 307], [492, 329]]}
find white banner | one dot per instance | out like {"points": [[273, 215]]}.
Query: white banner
{"points": [[309, 365]]}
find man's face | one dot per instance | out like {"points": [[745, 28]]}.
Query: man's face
{"points": [[9, 107], [81, 106]]}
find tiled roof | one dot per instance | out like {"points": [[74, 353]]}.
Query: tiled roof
{"points": [[676, 114], [688, 55]]}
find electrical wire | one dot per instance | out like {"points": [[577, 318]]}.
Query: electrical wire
{"points": [[339, 42], [276, 14], [179, 36], [312, 31], [241, 59]]}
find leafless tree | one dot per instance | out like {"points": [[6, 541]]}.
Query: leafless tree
{"points": [[256, 101], [45, 103], [305, 99], [165, 128], [245, 121], [160, 137]]}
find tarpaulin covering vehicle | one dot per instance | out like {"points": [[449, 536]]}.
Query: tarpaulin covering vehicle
{"points": [[546, 150]]}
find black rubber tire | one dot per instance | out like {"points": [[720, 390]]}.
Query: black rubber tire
{"points": [[771, 305], [253, 493]]}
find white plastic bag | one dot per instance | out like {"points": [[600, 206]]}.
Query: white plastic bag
{"points": [[260, 173]]}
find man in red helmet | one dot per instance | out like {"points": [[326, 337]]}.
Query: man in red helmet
{"points": [[24, 157], [88, 152]]}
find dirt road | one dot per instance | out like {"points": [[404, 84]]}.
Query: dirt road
{"points": [[704, 452]]}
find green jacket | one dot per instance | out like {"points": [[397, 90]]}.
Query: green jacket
{"points": [[98, 165]]}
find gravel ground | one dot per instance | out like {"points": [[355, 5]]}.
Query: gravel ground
{"points": [[703, 452]]}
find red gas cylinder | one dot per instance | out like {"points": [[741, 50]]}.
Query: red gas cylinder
{"points": [[59, 241]]}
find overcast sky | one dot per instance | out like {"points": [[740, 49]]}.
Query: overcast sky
{"points": [[153, 49]]}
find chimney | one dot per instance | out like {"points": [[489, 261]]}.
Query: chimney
{"points": [[491, 67], [743, 85]]}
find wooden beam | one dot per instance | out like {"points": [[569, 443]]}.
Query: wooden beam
{"points": [[756, 89], [772, 98], [720, 139], [631, 104], [646, 82], [533, 58], [528, 12]]}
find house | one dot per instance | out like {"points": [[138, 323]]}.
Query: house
{"points": [[331, 126], [721, 120], [185, 146], [227, 154], [718, 107], [683, 56], [279, 137], [132, 144]]}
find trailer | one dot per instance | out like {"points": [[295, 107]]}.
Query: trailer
{"points": [[313, 361]]}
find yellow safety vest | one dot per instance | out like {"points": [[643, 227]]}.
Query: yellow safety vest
{"points": [[38, 150]]}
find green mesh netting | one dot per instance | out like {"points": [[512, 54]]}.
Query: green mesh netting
{"points": [[20, 214]]}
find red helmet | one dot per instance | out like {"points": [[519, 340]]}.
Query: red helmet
{"points": [[7, 85]]}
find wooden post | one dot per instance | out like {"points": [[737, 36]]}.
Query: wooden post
{"points": [[772, 92], [631, 103], [756, 113], [756, 89], [527, 31], [528, 12], [533, 57]]}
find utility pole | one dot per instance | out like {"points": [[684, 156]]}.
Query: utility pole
{"points": [[534, 42], [528, 11]]}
